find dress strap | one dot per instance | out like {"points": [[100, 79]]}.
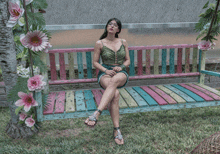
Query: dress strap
{"points": [[121, 41], [102, 42]]}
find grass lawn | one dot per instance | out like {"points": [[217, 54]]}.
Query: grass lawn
{"points": [[170, 132]]}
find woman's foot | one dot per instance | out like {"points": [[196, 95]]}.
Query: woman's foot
{"points": [[118, 137], [92, 123]]}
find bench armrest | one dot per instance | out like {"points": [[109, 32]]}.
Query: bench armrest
{"points": [[210, 73]]}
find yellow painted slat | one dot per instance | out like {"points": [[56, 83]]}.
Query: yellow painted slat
{"points": [[208, 88], [70, 103], [156, 61], [172, 94], [130, 101], [194, 67]]}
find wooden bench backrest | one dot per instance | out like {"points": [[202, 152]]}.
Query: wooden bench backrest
{"points": [[132, 75]]}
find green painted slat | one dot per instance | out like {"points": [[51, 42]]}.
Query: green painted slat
{"points": [[80, 104], [208, 88], [71, 65], [145, 96], [187, 62], [131, 66], [90, 103], [70, 101], [156, 61], [80, 65], [89, 65], [139, 100], [180, 93], [126, 96], [172, 68], [164, 61], [195, 53], [188, 92], [134, 110]]}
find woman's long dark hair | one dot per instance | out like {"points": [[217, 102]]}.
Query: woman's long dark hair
{"points": [[104, 35]]}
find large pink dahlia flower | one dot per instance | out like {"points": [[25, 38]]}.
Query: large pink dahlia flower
{"points": [[36, 83]]}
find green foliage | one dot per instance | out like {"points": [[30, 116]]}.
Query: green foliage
{"points": [[18, 109], [206, 5], [45, 104], [39, 63], [35, 19], [39, 4]]}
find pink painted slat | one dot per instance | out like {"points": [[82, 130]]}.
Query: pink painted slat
{"points": [[62, 66], [154, 95], [53, 67], [98, 96], [179, 61], [148, 62], [129, 48], [187, 54], [216, 97], [50, 100], [130, 78], [140, 66], [201, 94], [166, 97], [60, 102]]}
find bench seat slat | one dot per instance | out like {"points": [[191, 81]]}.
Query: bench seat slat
{"points": [[195, 53], [51, 99], [146, 96], [172, 94], [209, 88], [180, 93], [80, 65], [201, 94], [140, 65], [166, 97], [71, 65], [164, 61], [172, 68], [213, 95], [148, 62], [90, 103], [70, 102], [62, 66], [187, 54], [98, 96], [153, 94], [131, 66], [80, 104], [188, 92], [156, 61], [130, 101], [139, 100], [60, 102], [89, 65], [179, 60]]}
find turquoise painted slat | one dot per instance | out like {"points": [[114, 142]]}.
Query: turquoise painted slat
{"points": [[146, 96], [172, 68], [200, 56], [164, 61], [131, 66], [80, 104], [38, 98], [89, 65], [139, 100], [80, 65], [210, 73], [90, 103], [188, 92], [180, 93]]}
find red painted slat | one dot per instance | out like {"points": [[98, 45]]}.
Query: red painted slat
{"points": [[187, 54], [154, 95], [60, 102], [50, 100], [53, 67], [166, 97], [98, 96], [201, 94], [148, 62], [140, 66], [179, 61], [62, 66]]}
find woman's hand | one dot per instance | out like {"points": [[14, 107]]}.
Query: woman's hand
{"points": [[117, 69], [110, 72]]}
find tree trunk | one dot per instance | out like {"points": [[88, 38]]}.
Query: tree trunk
{"points": [[9, 72]]}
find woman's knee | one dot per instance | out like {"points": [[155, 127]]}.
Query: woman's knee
{"points": [[116, 96]]}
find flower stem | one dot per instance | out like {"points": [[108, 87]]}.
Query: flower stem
{"points": [[216, 8]]}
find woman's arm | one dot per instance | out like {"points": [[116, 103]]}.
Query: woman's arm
{"points": [[127, 57]]}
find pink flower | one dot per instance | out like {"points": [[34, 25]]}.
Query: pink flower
{"points": [[47, 47], [204, 45], [22, 116], [36, 83], [27, 100], [30, 121], [16, 12], [36, 40]]}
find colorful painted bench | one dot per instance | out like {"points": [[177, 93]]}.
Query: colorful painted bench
{"points": [[82, 102]]}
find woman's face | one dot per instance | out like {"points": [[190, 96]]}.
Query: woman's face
{"points": [[112, 27]]}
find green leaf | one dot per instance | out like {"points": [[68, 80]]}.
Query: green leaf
{"points": [[206, 5], [212, 5], [39, 4], [21, 122], [18, 109]]}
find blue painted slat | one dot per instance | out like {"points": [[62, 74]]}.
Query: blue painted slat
{"points": [[80, 65], [131, 66], [145, 96], [139, 100], [90, 103], [80, 104], [188, 92], [180, 93], [172, 68], [89, 65], [164, 61]]}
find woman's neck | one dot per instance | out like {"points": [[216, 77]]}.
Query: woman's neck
{"points": [[111, 37]]}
